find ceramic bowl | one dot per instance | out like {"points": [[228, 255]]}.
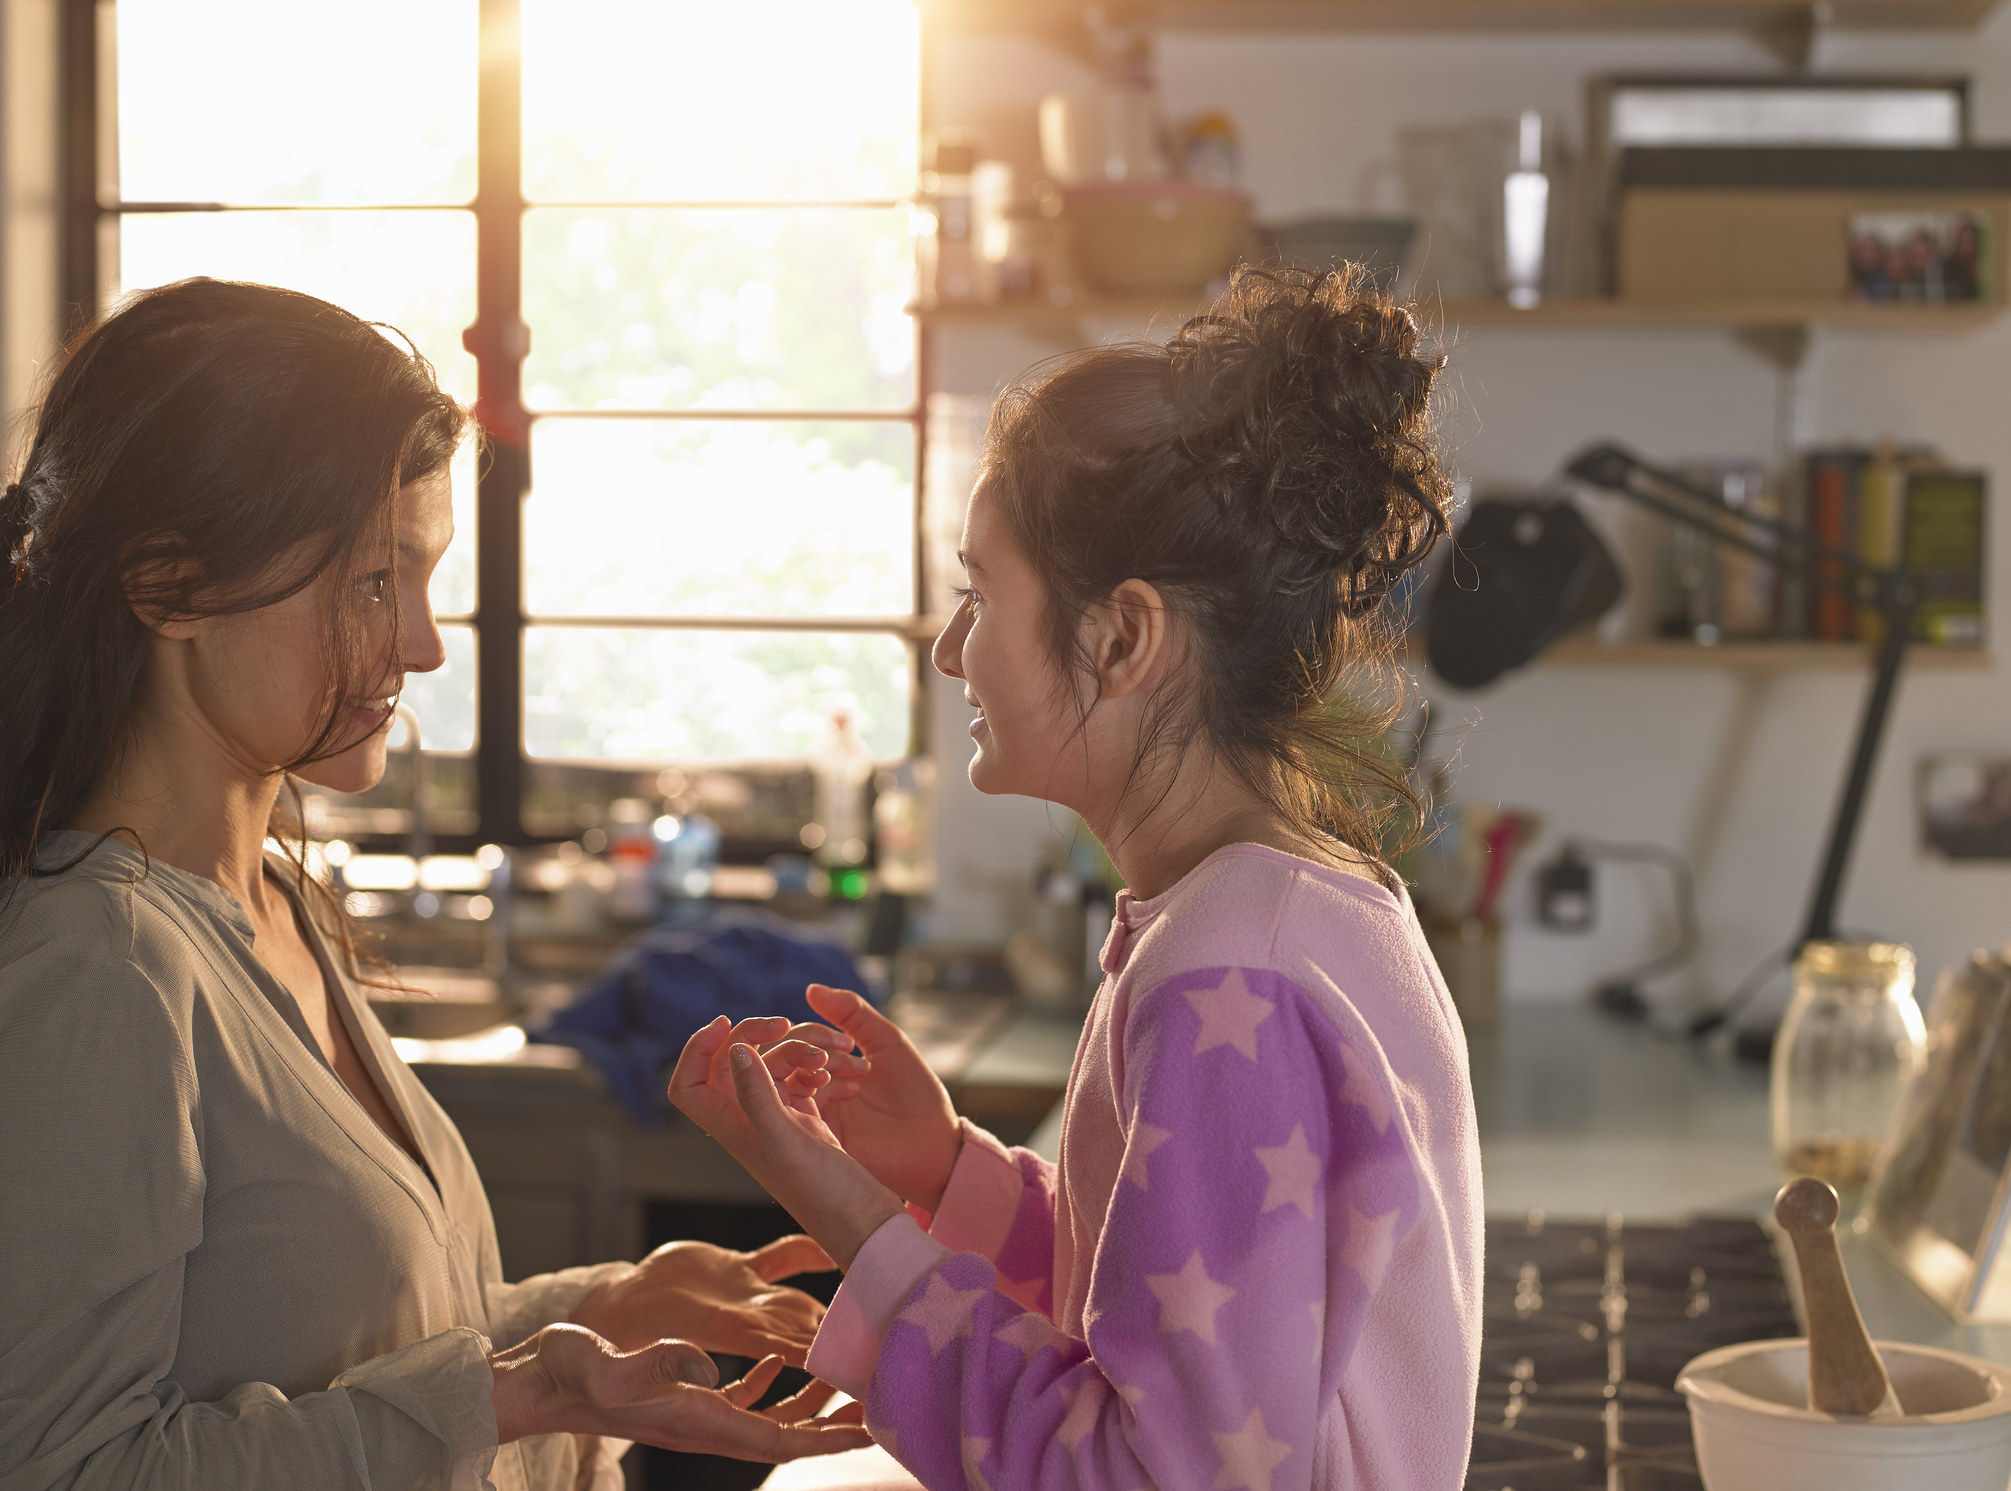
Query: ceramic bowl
{"points": [[1754, 1431], [1148, 237]]}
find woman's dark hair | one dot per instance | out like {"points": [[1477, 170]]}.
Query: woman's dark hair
{"points": [[210, 448], [1272, 471]]}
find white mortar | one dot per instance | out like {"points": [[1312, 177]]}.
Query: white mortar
{"points": [[1754, 1431]]}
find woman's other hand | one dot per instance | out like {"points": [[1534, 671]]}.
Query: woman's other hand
{"points": [[892, 1115], [719, 1299], [727, 1089], [567, 1380]]}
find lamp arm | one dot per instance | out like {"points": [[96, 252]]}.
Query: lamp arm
{"points": [[1894, 592], [1837, 571]]}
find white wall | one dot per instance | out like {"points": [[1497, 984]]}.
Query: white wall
{"points": [[1612, 753]]}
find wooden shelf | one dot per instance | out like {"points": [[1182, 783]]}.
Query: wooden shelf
{"points": [[1084, 317], [1752, 656], [1065, 16]]}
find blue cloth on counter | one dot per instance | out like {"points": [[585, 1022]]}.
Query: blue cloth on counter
{"points": [[664, 986]]}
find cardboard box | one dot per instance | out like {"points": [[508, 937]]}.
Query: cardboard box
{"points": [[1701, 225], [1691, 244]]}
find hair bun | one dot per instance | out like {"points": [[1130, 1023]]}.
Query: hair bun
{"points": [[1306, 400]]}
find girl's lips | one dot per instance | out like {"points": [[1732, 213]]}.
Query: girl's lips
{"points": [[977, 724]]}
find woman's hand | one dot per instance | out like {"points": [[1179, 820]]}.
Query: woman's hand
{"points": [[726, 1089], [716, 1298], [567, 1380], [892, 1115]]}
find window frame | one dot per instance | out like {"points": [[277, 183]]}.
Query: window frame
{"points": [[499, 341]]}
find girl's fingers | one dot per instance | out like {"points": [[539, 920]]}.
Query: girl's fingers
{"points": [[818, 1034], [855, 1016], [849, 1413], [788, 1256], [759, 1100], [696, 1061], [793, 1054]]}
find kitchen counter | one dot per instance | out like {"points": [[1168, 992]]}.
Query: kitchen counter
{"points": [[1582, 1115]]}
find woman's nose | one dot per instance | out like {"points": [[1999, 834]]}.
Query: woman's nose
{"points": [[948, 653], [424, 648]]}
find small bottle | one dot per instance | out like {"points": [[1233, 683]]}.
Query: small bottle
{"points": [[1525, 213], [841, 764], [1851, 1041], [631, 853], [949, 253]]}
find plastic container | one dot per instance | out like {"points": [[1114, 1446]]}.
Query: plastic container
{"points": [[1851, 1040]]}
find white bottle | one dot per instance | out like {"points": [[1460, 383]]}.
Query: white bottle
{"points": [[1525, 212], [840, 764]]}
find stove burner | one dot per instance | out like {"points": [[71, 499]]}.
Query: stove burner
{"points": [[1587, 1325]]}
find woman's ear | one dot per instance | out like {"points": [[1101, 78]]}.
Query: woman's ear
{"points": [[146, 588], [1130, 640]]}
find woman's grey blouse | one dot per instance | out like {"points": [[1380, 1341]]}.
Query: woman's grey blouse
{"points": [[216, 1270]]}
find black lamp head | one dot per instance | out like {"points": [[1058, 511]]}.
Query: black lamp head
{"points": [[1606, 466]]}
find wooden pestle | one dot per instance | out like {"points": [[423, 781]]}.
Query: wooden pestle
{"points": [[1846, 1375]]}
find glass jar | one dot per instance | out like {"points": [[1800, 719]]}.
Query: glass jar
{"points": [[1851, 1041]]}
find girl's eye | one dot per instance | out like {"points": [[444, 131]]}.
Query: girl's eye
{"points": [[964, 593], [374, 586]]}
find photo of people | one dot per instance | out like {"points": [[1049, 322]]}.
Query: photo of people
{"points": [[1916, 256]]}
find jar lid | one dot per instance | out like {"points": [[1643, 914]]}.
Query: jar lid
{"points": [[1854, 960]]}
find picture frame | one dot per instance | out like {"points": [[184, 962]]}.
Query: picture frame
{"points": [[1939, 1202]]}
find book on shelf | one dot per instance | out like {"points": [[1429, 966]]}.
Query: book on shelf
{"points": [[1943, 543], [1887, 506]]}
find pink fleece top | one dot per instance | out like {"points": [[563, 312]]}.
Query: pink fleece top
{"points": [[1258, 1262]]}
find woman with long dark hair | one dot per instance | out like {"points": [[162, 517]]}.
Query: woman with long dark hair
{"points": [[239, 1244]]}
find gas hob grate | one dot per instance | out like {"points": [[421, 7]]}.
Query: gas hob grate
{"points": [[1587, 1325]]}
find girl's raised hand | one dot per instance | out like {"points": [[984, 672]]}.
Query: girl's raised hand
{"points": [[727, 1089], [890, 1112]]}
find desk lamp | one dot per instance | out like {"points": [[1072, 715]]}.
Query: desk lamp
{"points": [[1893, 592]]}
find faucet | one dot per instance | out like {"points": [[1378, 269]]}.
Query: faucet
{"points": [[419, 835]]}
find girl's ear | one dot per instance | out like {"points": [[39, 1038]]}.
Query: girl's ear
{"points": [[1130, 639]]}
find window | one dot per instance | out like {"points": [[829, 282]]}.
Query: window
{"points": [[676, 236]]}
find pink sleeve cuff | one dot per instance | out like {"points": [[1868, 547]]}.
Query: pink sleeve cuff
{"points": [[889, 1268], [982, 1199]]}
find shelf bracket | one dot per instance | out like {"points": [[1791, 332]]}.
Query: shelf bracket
{"points": [[1785, 347], [1791, 33]]}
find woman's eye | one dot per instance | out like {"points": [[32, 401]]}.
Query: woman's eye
{"points": [[375, 586], [966, 595]]}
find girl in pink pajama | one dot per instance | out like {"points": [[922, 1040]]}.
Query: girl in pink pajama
{"points": [[1257, 1262]]}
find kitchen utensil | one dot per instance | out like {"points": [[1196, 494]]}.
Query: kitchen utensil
{"points": [[1753, 1431], [1156, 237], [1845, 1375]]}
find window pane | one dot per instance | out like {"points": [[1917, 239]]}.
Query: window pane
{"points": [[691, 100], [641, 518], [765, 308], [412, 270], [637, 695], [248, 101], [453, 589], [445, 700]]}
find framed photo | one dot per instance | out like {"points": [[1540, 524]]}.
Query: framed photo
{"points": [[1939, 1203], [1918, 256], [1965, 806]]}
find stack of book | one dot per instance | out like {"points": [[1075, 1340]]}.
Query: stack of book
{"points": [[1892, 506]]}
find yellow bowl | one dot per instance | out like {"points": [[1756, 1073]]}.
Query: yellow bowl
{"points": [[1151, 237]]}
